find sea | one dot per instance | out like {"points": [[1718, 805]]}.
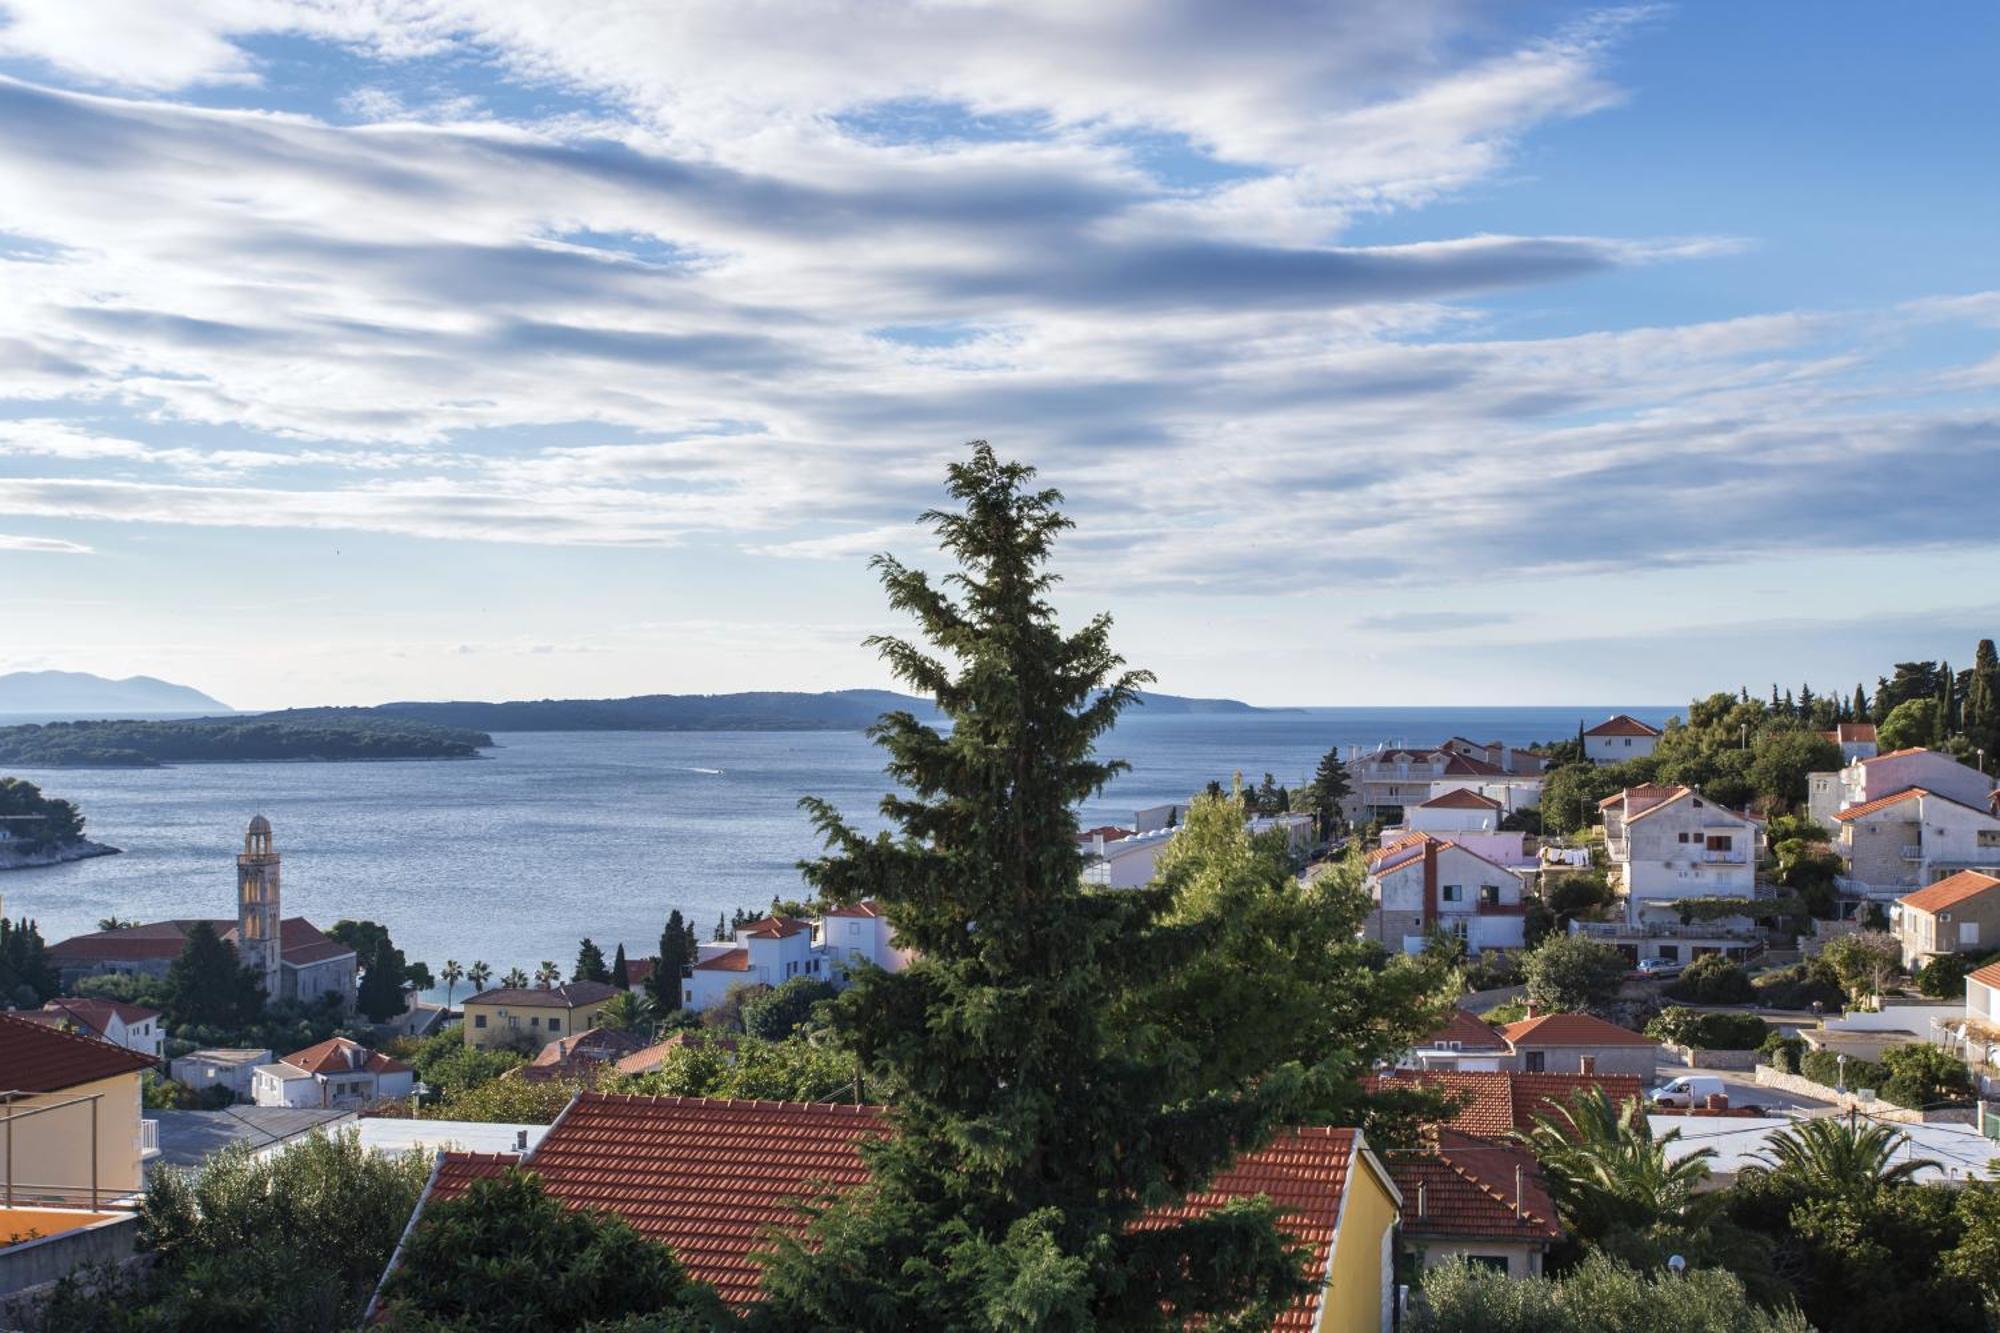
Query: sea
{"points": [[513, 857]]}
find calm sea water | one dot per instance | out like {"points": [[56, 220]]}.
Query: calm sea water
{"points": [[553, 836]]}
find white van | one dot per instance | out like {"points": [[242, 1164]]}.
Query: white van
{"points": [[1687, 1090]]}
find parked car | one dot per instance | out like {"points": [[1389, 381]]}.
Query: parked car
{"points": [[1687, 1090], [1658, 968]]}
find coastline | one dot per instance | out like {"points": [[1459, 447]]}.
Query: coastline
{"points": [[81, 850]]}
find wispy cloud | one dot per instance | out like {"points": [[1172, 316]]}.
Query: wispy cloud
{"points": [[43, 545]]}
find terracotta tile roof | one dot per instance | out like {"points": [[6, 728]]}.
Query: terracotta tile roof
{"points": [[1461, 798], [1679, 794], [570, 996], [338, 1055], [774, 928], [1623, 724], [1470, 1031], [1392, 854], [96, 1014], [1108, 832], [639, 971], [1853, 732], [1950, 891], [579, 1054], [35, 1057], [1897, 797], [300, 942], [709, 1178], [869, 907], [1466, 1188], [1493, 1104], [650, 1058], [1642, 790], [1572, 1030], [1986, 976], [1464, 765], [729, 960], [1903, 753]]}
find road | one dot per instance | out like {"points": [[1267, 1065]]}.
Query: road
{"points": [[1743, 1090]]}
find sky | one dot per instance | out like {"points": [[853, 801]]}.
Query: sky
{"points": [[1403, 352]]}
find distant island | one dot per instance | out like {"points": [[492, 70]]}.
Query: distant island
{"points": [[80, 694], [149, 744], [38, 830], [768, 710]]}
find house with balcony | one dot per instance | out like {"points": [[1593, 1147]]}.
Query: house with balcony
{"points": [[336, 1072], [1389, 781], [1873, 777], [1422, 884], [775, 949], [1619, 738], [1667, 844], [1913, 837], [1958, 914]]}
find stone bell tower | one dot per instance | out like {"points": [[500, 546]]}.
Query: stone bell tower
{"points": [[257, 913]]}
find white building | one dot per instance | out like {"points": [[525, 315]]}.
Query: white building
{"points": [[1297, 829], [1901, 842], [132, 1026], [1390, 780], [1855, 739], [1421, 884], [1872, 778], [773, 950], [1467, 1043], [1124, 862], [1619, 738], [1671, 843], [1459, 810], [337, 1072], [220, 1067]]}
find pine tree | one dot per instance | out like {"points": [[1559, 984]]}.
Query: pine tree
{"points": [[677, 950], [1029, 1132], [589, 963], [619, 976], [207, 986], [721, 928], [1330, 786]]}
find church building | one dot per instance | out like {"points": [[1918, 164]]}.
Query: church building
{"points": [[296, 960]]}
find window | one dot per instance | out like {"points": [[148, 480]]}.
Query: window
{"points": [[1489, 895], [533, 1021], [1628, 742], [854, 927], [1968, 933], [687, 997], [555, 1025], [1684, 837], [1721, 842], [1496, 1262], [1534, 1062], [479, 1020], [1454, 893]]}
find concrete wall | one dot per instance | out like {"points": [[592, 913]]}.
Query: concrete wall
{"points": [[1636, 1060], [51, 1151], [1800, 1085], [68, 1240], [1707, 1059], [1523, 1260]]}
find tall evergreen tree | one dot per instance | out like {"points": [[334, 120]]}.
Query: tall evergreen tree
{"points": [[1982, 700], [380, 995], [1330, 786], [1861, 713], [619, 976], [207, 986], [589, 963], [1030, 1132], [676, 952], [1947, 702], [27, 979]]}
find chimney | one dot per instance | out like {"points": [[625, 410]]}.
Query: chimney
{"points": [[520, 1140], [1586, 1064], [1530, 1012], [1423, 1199]]}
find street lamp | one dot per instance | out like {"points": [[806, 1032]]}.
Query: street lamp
{"points": [[1840, 1084], [418, 1091], [1676, 1265]]}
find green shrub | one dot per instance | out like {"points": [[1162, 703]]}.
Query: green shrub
{"points": [[1799, 986], [1921, 1075], [1601, 1295], [1713, 979], [1783, 1052], [1492, 970], [1943, 977], [1824, 1067], [776, 1014], [1709, 1032]]}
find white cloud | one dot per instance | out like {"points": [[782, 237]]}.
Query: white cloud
{"points": [[43, 545]]}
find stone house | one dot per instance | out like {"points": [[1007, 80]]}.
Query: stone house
{"points": [[1668, 844], [1958, 914], [1580, 1044], [1914, 836]]}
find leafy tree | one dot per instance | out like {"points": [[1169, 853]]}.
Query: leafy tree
{"points": [[449, 1065], [677, 951], [995, 1201], [293, 1241], [507, 1258], [620, 977], [505, 1101], [1921, 1075], [1578, 895], [795, 1070], [1865, 961], [777, 1014], [1781, 760], [384, 970], [1607, 1171], [27, 979], [207, 986], [1709, 1032], [1943, 976], [1713, 979], [1571, 974], [1601, 1295], [589, 963], [1912, 722]]}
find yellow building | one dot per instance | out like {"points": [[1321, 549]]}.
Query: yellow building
{"points": [[515, 1016], [69, 1117]]}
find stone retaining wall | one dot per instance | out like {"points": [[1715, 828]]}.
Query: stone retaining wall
{"points": [[1801, 1086], [1695, 1058]]}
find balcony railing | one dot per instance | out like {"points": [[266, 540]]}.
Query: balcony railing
{"points": [[1663, 930], [1725, 858], [149, 1138], [1913, 852]]}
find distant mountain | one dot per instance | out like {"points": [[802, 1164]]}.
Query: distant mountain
{"points": [[768, 710], [80, 694]]}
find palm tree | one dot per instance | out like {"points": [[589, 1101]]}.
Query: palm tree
{"points": [[1832, 1157], [547, 975], [1606, 1169], [114, 923], [515, 979], [479, 974], [452, 974]]}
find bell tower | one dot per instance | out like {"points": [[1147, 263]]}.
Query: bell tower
{"points": [[257, 910]]}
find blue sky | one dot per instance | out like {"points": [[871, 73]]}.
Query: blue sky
{"points": [[1388, 353]]}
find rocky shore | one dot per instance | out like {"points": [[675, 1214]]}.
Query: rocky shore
{"points": [[80, 850]]}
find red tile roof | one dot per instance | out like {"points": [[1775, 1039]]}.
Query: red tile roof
{"points": [[1469, 1188], [1950, 891], [579, 1054], [1494, 1104], [1623, 724], [571, 996], [869, 907], [338, 1055], [1879, 803], [1460, 798], [639, 971], [300, 942], [1572, 1030], [775, 927], [1906, 751], [1643, 789], [710, 1178], [35, 1057], [1987, 976], [650, 1058], [1852, 732], [729, 960], [96, 1014], [1470, 1031]]}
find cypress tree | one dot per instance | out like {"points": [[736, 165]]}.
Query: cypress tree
{"points": [[1982, 699], [1029, 1134], [676, 952], [1861, 704], [619, 977]]}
